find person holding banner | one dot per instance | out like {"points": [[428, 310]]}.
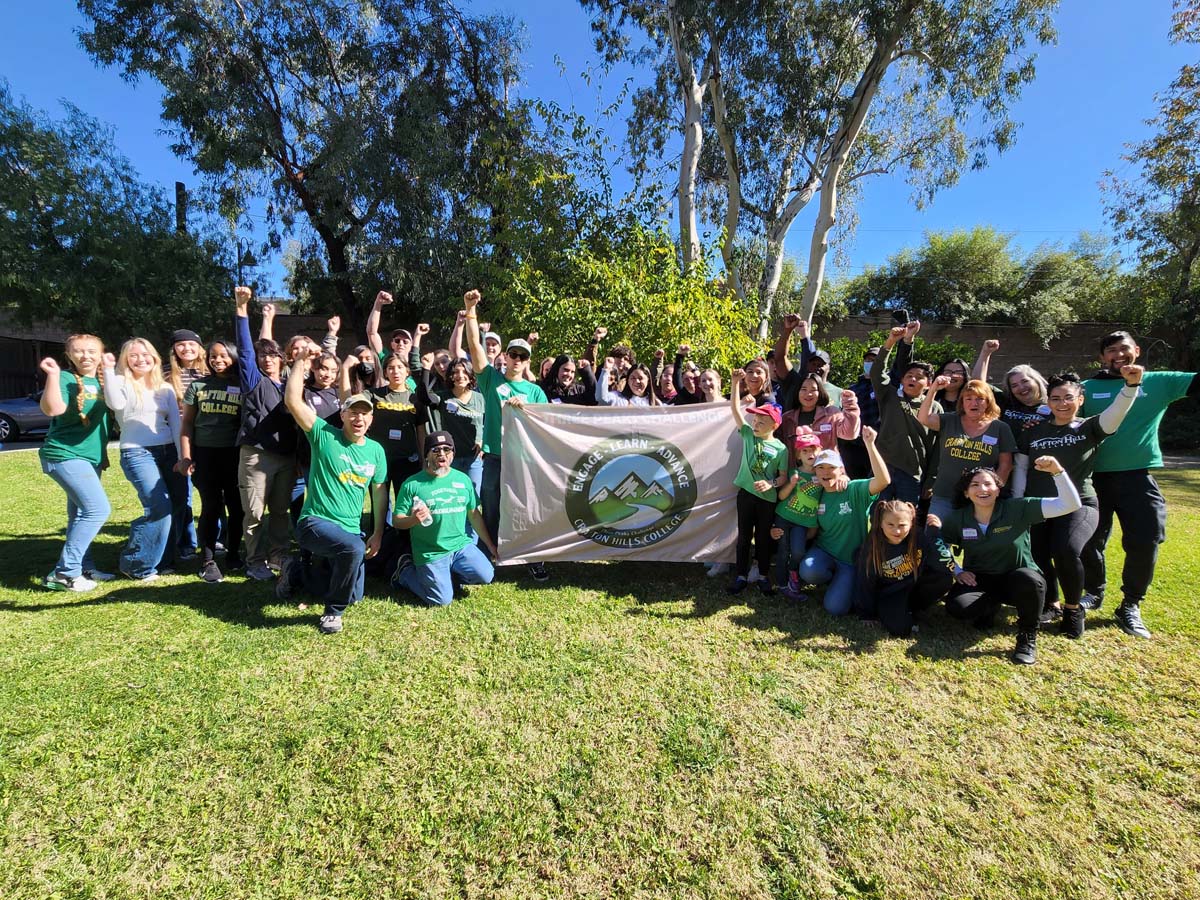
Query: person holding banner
{"points": [[512, 388], [842, 523], [434, 506], [763, 459]]}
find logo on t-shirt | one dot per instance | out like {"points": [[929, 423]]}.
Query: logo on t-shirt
{"points": [[630, 491]]}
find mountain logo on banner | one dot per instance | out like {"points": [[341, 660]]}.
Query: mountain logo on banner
{"points": [[631, 490]]}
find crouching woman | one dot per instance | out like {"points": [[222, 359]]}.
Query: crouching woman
{"points": [[998, 566]]}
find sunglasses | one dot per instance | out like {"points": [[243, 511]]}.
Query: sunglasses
{"points": [[518, 354], [442, 450]]}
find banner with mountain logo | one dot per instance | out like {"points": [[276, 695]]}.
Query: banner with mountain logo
{"points": [[593, 483]]}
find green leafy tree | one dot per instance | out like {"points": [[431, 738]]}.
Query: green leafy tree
{"points": [[85, 242]]}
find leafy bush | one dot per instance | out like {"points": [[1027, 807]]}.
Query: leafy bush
{"points": [[846, 356], [1180, 428]]}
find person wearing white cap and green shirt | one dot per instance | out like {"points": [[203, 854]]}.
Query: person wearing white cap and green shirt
{"points": [[434, 506], [511, 388], [842, 517], [345, 464]]}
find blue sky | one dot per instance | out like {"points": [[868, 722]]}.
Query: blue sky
{"points": [[1092, 94]]}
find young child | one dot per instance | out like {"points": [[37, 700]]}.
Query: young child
{"points": [[902, 569], [763, 458], [796, 514]]}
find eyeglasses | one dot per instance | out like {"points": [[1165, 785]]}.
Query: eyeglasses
{"points": [[517, 354], [442, 450]]}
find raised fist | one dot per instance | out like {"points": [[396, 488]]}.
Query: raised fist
{"points": [[659, 354], [241, 295], [684, 349], [583, 364], [941, 382], [609, 362], [897, 332], [471, 299], [110, 361], [532, 338], [849, 400], [461, 316], [991, 346], [911, 329], [383, 298], [49, 366], [268, 310], [737, 374], [333, 324], [868, 435], [1047, 464], [422, 329], [485, 326], [1132, 373], [600, 333], [791, 321]]}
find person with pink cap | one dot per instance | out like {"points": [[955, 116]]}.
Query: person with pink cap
{"points": [[758, 480], [796, 514]]}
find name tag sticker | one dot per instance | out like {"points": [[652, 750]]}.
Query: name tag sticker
{"points": [[970, 534], [1077, 424], [990, 440], [504, 390], [233, 389], [827, 427], [451, 406], [1107, 395], [316, 400], [395, 434], [820, 509], [555, 400]]}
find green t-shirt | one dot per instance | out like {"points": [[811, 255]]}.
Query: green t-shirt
{"points": [[1135, 443], [843, 519], [1073, 445], [762, 460], [69, 436], [463, 420], [340, 474], [497, 389], [1002, 546], [959, 452], [450, 498], [394, 423], [800, 507], [218, 403]]}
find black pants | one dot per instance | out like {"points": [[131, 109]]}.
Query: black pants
{"points": [[895, 601], [1140, 508], [1023, 588], [216, 478], [1058, 549], [755, 516]]}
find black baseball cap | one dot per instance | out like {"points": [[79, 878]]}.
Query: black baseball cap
{"points": [[439, 439]]}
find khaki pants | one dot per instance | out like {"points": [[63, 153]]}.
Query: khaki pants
{"points": [[265, 482]]}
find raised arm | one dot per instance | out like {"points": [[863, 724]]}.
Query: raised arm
{"points": [[593, 345], [479, 360], [247, 361], [114, 385], [982, 362], [293, 391], [850, 421], [329, 343], [266, 329], [414, 352], [791, 322], [456, 333], [603, 396], [880, 477], [735, 397], [1067, 500], [345, 381], [925, 414], [374, 341], [879, 372], [1114, 415], [52, 402]]}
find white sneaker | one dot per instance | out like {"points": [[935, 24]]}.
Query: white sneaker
{"points": [[97, 575], [716, 570], [331, 624], [78, 584], [259, 572], [754, 575]]}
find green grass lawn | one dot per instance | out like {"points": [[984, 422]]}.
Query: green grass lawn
{"points": [[628, 730]]}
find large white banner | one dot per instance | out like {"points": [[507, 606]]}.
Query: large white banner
{"points": [[592, 483]]}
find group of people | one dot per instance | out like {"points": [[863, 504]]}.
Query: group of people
{"points": [[909, 487]]}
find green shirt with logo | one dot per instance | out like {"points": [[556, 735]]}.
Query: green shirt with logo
{"points": [[842, 518], [70, 437], [1000, 547], [218, 403], [497, 390], [800, 507], [450, 498], [340, 474], [1135, 443], [762, 460], [1074, 445]]}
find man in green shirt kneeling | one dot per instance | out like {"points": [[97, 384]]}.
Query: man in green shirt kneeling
{"points": [[345, 462], [435, 506]]}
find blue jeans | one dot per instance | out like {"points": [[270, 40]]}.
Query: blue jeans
{"points": [[87, 511], [184, 526], [472, 467], [940, 507], [335, 570], [819, 567], [490, 498], [152, 539], [790, 549], [433, 583], [904, 487]]}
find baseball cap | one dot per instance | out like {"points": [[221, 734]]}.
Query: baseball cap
{"points": [[767, 409], [439, 439], [518, 344], [492, 336], [872, 351], [820, 354], [828, 458], [402, 332], [358, 398], [806, 437]]}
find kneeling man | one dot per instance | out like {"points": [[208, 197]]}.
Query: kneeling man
{"points": [[435, 506]]}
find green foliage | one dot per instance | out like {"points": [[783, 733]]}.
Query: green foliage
{"points": [[846, 356], [628, 281], [85, 242], [1180, 429]]}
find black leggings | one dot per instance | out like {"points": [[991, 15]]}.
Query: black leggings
{"points": [[1023, 588], [1134, 498], [216, 478], [754, 516], [895, 601], [1058, 546]]}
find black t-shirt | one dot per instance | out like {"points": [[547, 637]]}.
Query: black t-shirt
{"points": [[395, 423], [1074, 445]]}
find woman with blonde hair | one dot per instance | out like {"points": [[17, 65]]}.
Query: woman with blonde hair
{"points": [[147, 410], [73, 455], [971, 437]]}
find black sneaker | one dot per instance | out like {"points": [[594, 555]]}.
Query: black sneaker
{"points": [[1072, 622], [1025, 653], [1091, 601], [737, 585], [538, 572], [210, 573], [1050, 615], [283, 585], [402, 563], [1129, 620], [764, 586]]}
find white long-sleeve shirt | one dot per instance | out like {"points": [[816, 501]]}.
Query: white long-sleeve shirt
{"points": [[147, 418]]}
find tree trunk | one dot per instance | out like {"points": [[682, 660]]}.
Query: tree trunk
{"points": [[692, 92], [733, 177], [777, 233]]}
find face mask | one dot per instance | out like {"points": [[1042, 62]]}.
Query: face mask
{"points": [[867, 369]]}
